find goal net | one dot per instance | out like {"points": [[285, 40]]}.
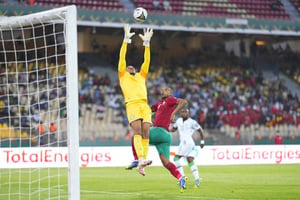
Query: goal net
{"points": [[39, 137]]}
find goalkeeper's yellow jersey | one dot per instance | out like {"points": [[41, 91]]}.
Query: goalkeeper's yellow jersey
{"points": [[133, 86]]}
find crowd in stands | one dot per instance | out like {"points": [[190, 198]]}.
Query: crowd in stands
{"points": [[296, 3], [223, 92], [234, 95], [28, 109], [271, 9], [264, 9]]}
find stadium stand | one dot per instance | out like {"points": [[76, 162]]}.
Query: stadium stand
{"points": [[21, 121], [238, 102], [231, 95], [259, 9], [85, 4], [296, 3]]}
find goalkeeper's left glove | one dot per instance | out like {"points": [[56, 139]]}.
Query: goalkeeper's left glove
{"points": [[147, 36]]}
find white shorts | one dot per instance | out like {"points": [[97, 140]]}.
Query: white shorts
{"points": [[187, 150]]}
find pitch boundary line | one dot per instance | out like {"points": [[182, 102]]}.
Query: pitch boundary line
{"points": [[176, 196]]}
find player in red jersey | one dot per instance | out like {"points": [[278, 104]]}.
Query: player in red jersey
{"points": [[159, 135]]}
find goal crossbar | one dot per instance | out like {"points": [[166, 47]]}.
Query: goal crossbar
{"points": [[34, 18]]}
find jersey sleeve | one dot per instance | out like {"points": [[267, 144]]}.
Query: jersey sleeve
{"points": [[145, 66], [154, 107], [122, 59], [196, 125]]}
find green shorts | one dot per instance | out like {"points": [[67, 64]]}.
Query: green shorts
{"points": [[162, 140]]}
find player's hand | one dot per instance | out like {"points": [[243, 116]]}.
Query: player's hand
{"points": [[147, 36], [172, 118], [202, 142], [127, 34]]}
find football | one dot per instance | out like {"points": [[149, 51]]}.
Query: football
{"points": [[140, 14]]}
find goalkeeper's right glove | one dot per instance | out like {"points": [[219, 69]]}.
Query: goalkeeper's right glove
{"points": [[127, 34], [147, 36]]}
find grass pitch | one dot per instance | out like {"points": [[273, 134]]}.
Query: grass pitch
{"points": [[235, 182], [217, 182]]}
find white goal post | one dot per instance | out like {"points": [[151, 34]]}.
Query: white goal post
{"points": [[39, 109]]}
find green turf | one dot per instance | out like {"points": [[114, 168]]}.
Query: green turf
{"points": [[217, 182]]}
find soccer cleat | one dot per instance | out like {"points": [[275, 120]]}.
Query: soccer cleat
{"points": [[185, 178], [132, 165], [197, 183], [146, 163], [141, 170], [141, 166], [182, 184]]}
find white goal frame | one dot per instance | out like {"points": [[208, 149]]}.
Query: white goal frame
{"points": [[70, 15]]}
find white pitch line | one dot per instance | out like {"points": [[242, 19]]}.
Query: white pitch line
{"points": [[177, 196]]}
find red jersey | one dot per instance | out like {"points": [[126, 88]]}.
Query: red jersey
{"points": [[164, 109]]}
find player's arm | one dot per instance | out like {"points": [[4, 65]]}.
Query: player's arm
{"points": [[145, 66], [202, 141], [122, 58], [154, 107], [173, 128], [146, 42], [180, 104], [123, 50]]}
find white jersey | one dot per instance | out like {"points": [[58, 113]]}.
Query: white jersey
{"points": [[186, 130]]}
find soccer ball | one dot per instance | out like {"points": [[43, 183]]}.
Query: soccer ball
{"points": [[140, 14]]}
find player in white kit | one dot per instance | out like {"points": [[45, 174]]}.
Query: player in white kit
{"points": [[186, 127]]}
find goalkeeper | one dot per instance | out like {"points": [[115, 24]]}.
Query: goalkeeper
{"points": [[133, 85]]}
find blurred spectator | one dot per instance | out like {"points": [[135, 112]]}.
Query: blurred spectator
{"points": [[100, 112], [278, 139], [52, 129], [41, 133], [156, 4], [275, 5], [167, 5]]}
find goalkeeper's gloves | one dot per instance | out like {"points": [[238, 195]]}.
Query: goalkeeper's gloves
{"points": [[127, 34], [147, 36]]}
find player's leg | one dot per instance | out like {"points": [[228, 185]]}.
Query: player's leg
{"points": [[136, 127], [145, 138], [182, 151], [194, 169], [145, 113], [177, 161], [162, 139], [171, 167], [135, 162], [135, 117], [163, 149], [147, 122], [138, 146]]}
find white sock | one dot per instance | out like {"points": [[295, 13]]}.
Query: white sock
{"points": [[141, 160], [194, 170], [179, 167]]}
